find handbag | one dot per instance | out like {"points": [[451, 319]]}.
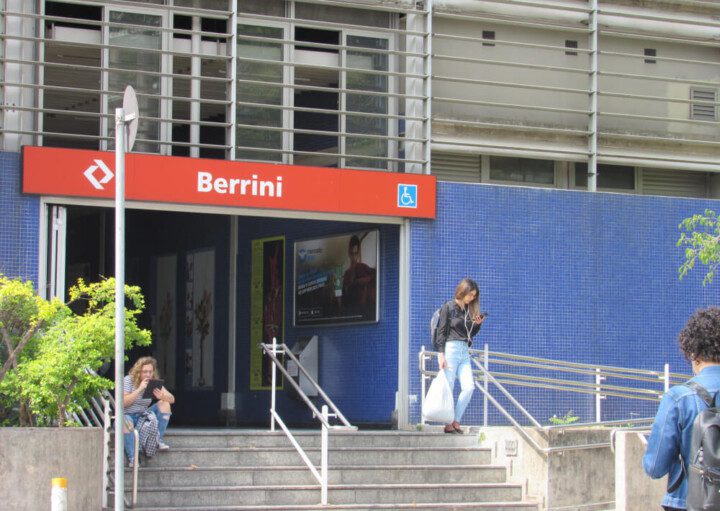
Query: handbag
{"points": [[439, 405]]}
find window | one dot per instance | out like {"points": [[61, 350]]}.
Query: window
{"points": [[522, 170], [71, 113], [650, 52], [705, 108], [488, 35], [609, 177], [317, 79], [135, 41], [366, 105], [259, 89], [570, 44]]}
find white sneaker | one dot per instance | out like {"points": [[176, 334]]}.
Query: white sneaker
{"points": [[162, 446]]}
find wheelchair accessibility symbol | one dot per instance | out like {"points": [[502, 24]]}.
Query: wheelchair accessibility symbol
{"points": [[407, 196]]}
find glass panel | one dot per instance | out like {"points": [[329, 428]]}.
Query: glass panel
{"points": [[85, 76], [373, 104], [616, 177], [127, 52], [181, 108], [266, 7], [259, 93], [335, 14], [216, 5], [522, 170]]}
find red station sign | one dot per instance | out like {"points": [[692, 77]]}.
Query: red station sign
{"points": [[153, 178]]}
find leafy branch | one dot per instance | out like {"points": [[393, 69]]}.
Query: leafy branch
{"points": [[701, 241]]}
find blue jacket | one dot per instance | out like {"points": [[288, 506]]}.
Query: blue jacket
{"points": [[672, 431]]}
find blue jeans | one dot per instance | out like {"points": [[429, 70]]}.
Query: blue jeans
{"points": [[457, 355], [132, 418]]}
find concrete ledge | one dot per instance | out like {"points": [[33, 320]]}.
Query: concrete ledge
{"points": [[634, 491], [571, 480], [31, 457]]}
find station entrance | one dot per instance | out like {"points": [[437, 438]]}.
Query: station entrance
{"points": [[233, 253], [216, 285]]}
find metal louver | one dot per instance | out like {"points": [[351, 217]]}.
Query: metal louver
{"points": [[703, 111], [674, 183], [456, 167]]}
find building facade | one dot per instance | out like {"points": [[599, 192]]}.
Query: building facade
{"points": [[516, 108]]}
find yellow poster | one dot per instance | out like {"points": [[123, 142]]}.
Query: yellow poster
{"points": [[267, 307]]}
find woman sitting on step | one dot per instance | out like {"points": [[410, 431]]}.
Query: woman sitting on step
{"points": [[151, 420]]}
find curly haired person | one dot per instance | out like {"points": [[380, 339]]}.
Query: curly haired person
{"points": [[668, 448], [136, 409]]}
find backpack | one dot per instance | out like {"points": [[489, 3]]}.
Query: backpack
{"points": [[434, 320], [704, 473]]}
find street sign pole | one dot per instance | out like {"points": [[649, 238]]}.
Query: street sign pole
{"points": [[126, 121], [119, 305]]}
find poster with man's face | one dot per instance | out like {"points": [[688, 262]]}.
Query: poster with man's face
{"points": [[336, 279]]}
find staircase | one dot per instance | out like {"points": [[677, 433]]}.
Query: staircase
{"points": [[255, 470]]}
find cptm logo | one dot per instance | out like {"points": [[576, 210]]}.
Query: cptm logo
{"points": [[407, 196], [107, 174]]}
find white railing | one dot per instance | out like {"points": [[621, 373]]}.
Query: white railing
{"points": [[272, 351], [100, 414], [566, 381]]}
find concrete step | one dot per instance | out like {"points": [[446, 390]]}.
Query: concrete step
{"points": [[252, 456], [212, 496], [182, 438], [435, 506], [284, 475]]}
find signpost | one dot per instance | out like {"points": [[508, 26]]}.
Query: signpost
{"points": [[126, 120]]}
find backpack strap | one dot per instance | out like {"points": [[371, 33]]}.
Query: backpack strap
{"points": [[700, 391], [681, 477]]}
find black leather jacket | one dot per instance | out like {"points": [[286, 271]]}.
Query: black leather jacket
{"points": [[454, 324]]}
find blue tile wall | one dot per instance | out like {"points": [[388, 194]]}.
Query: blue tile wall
{"points": [[19, 222], [358, 362], [565, 275]]}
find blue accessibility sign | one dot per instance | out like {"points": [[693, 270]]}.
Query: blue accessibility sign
{"points": [[407, 196]]}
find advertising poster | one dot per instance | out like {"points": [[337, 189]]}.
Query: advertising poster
{"points": [[199, 318], [336, 279], [267, 299], [165, 319]]}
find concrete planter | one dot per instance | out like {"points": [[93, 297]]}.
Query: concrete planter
{"points": [[31, 457]]}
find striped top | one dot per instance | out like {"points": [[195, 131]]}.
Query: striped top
{"points": [[140, 404]]}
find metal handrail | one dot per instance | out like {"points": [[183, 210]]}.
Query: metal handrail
{"points": [[483, 376], [272, 350], [100, 414]]}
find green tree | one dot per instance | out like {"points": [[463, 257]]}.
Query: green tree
{"points": [[52, 377], [701, 240], [23, 316]]}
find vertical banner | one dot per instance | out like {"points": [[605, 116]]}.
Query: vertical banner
{"points": [[165, 320], [199, 324], [267, 311]]}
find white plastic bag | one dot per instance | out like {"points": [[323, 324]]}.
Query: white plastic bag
{"points": [[439, 405]]}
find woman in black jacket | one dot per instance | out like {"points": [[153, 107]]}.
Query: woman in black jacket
{"points": [[459, 322]]}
